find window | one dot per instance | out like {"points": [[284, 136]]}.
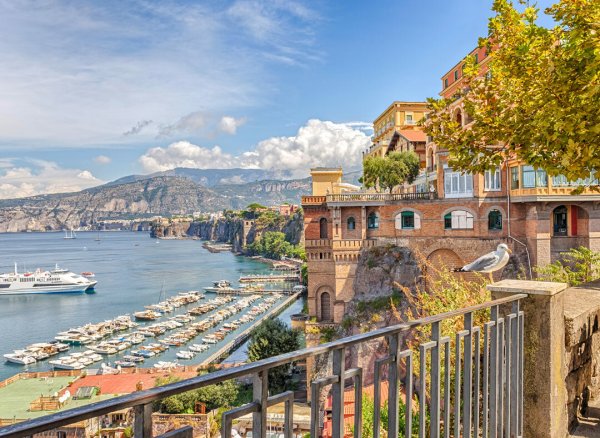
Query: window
{"points": [[373, 221], [455, 75], [323, 228], [408, 119], [494, 220], [476, 58], [458, 220], [514, 178], [408, 220], [446, 83], [492, 180], [533, 178], [456, 184], [351, 223]]}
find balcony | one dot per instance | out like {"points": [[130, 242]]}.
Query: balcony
{"points": [[352, 245], [375, 199], [437, 409], [555, 188], [317, 243], [313, 200]]}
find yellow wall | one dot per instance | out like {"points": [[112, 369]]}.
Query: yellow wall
{"points": [[394, 117], [325, 181]]}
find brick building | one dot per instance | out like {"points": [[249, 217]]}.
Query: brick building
{"points": [[445, 215]]}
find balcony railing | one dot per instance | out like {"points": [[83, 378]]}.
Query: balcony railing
{"points": [[381, 197], [313, 200], [470, 382]]}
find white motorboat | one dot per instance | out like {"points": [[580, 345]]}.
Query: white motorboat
{"points": [[19, 358], [184, 354]]}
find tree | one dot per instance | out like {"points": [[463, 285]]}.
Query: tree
{"points": [[271, 338], [575, 267], [539, 100], [222, 394], [390, 171]]}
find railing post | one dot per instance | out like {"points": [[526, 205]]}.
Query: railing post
{"points": [[142, 426], [544, 388], [393, 387], [337, 389], [435, 381], [260, 392]]}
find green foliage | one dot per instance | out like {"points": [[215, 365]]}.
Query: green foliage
{"points": [[540, 98], [272, 244], [575, 267], [223, 394], [128, 432], [271, 338], [304, 271], [390, 171], [368, 415], [255, 206]]}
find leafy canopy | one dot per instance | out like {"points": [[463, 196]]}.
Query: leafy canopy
{"points": [[271, 338], [390, 171], [538, 103]]}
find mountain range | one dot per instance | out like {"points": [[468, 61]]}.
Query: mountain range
{"points": [[179, 191]]}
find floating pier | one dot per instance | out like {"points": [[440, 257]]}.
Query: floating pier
{"points": [[217, 247], [270, 278], [228, 348]]}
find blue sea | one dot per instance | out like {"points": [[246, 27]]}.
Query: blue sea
{"points": [[131, 270]]}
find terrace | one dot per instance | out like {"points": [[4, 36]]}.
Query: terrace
{"points": [[476, 371]]}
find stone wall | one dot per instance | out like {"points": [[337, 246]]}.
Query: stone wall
{"points": [[582, 348]]}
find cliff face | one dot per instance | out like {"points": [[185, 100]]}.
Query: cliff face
{"points": [[140, 198], [230, 230]]}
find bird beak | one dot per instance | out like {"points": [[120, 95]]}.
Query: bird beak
{"points": [[509, 251]]}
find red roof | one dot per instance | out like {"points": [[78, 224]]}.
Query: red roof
{"points": [[413, 135], [125, 383]]}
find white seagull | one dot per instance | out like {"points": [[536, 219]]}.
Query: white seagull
{"points": [[488, 263]]}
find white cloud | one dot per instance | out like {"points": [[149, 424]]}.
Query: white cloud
{"points": [[94, 71], [318, 143], [102, 159], [229, 125], [39, 177]]}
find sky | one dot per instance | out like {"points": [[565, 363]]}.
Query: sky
{"points": [[92, 91]]}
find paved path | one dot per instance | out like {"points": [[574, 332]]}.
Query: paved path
{"points": [[590, 426]]}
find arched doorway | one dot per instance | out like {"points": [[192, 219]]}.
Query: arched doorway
{"points": [[325, 306], [560, 222], [323, 228]]}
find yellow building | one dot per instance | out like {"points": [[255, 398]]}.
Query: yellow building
{"points": [[397, 117]]}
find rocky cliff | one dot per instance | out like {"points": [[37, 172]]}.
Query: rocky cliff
{"points": [[230, 230], [137, 199]]}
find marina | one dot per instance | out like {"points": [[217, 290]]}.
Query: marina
{"points": [[193, 267]]}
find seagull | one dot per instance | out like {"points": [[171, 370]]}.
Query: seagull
{"points": [[488, 263]]}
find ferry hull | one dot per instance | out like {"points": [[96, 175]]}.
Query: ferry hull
{"points": [[79, 288]]}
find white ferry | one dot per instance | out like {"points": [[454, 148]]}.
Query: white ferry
{"points": [[44, 282]]}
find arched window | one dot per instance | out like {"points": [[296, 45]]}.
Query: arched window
{"points": [[351, 223], [408, 220], [560, 220], [323, 228], [494, 220], [373, 221], [325, 306], [459, 117], [458, 220]]}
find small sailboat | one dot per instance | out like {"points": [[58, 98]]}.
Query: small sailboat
{"points": [[70, 234]]}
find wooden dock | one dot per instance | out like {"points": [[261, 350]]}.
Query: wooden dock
{"points": [[227, 349], [270, 278]]}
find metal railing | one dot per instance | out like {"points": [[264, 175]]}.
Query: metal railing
{"points": [[381, 197], [479, 393]]}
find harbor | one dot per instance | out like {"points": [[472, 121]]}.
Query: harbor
{"points": [[136, 259]]}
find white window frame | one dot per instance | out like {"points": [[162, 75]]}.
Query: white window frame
{"points": [[416, 217], [457, 184], [492, 180], [461, 220]]}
